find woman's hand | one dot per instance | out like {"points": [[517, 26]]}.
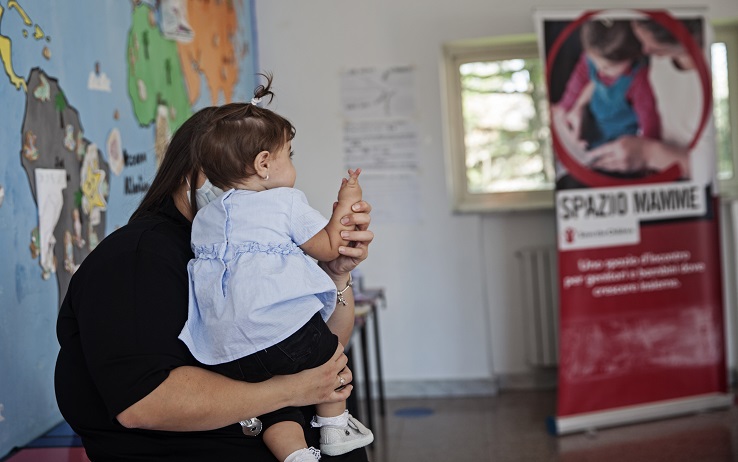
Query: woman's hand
{"points": [[328, 383], [195, 399], [636, 153], [358, 249], [625, 154]]}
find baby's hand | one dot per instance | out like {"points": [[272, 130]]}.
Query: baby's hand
{"points": [[350, 190], [574, 121]]}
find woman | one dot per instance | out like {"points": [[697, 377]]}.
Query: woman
{"points": [[124, 381]]}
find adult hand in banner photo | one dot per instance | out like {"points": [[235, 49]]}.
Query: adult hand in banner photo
{"points": [[631, 153]]}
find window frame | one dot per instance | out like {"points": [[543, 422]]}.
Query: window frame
{"points": [[526, 46], [454, 55]]}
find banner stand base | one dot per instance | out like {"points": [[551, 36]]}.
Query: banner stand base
{"points": [[633, 414]]}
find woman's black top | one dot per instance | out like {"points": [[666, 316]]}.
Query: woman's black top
{"points": [[118, 327]]}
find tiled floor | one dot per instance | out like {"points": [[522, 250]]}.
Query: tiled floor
{"points": [[509, 427]]}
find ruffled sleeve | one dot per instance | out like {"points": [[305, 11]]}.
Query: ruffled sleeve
{"points": [[305, 221]]}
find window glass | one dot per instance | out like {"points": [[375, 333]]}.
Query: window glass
{"points": [[721, 106], [505, 126]]}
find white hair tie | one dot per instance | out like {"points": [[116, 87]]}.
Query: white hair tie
{"points": [[255, 101]]}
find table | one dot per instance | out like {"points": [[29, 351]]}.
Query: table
{"points": [[367, 303]]}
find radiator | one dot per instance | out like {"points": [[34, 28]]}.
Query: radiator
{"points": [[540, 290]]}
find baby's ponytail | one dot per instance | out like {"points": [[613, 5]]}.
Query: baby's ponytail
{"points": [[262, 91]]}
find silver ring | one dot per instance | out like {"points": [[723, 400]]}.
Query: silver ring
{"points": [[342, 380]]}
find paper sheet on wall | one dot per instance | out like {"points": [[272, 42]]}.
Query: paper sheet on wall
{"points": [[380, 144], [380, 136], [372, 92], [49, 185]]}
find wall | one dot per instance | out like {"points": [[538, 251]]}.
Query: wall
{"points": [[454, 299], [102, 72]]}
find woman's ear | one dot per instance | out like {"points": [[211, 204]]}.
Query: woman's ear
{"points": [[261, 164]]}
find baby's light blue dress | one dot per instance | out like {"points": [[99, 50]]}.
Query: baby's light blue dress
{"points": [[251, 286]]}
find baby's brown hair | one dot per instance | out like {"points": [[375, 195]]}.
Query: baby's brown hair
{"points": [[613, 40], [235, 133]]}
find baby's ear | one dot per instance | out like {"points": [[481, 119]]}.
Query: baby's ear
{"points": [[261, 163]]}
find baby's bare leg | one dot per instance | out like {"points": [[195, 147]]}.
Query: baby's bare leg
{"points": [[330, 409], [284, 438]]}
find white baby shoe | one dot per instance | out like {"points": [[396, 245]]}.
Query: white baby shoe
{"points": [[336, 440]]}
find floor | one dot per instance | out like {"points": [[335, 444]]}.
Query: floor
{"points": [[510, 427], [59, 444]]}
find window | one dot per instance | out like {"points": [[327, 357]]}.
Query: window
{"points": [[724, 52], [501, 158], [498, 144]]}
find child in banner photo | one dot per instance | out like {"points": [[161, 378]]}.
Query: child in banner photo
{"points": [[608, 94], [678, 89], [258, 301]]}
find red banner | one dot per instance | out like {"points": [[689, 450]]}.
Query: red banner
{"points": [[641, 318], [642, 323]]}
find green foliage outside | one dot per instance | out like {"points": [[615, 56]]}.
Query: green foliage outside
{"points": [[506, 126]]}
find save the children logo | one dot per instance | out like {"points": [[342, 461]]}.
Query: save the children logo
{"points": [[569, 235], [607, 233]]}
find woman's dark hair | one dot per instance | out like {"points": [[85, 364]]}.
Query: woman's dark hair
{"points": [[663, 35], [236, 133], [613, 40], [180, 164], [220, 141]]}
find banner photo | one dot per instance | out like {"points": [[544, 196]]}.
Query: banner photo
{"points": [[641, 317]]}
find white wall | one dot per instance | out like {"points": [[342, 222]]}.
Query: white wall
{"points": [[451, 282]]}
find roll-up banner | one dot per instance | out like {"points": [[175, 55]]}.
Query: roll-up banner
{"points": [[641, 313]]}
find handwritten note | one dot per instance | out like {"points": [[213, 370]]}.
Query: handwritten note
{"points": [[371, 92], [381, 144], [380, 136]]}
